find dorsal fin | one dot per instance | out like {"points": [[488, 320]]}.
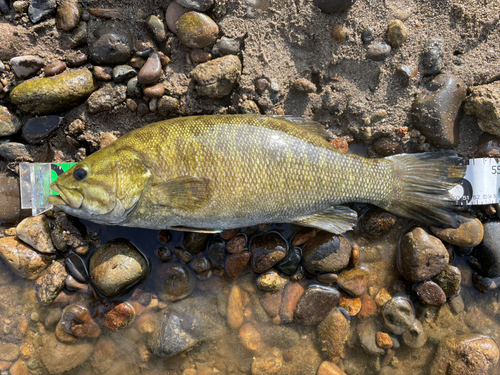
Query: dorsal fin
{"points": [[312, 126]]}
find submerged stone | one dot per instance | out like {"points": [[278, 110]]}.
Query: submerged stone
{"points": [[174, 281], [398, 315], [326, 252], [267, 250], [50, 283], [315, 304]]}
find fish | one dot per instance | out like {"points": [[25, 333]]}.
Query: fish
{"points": [[209, 173]]}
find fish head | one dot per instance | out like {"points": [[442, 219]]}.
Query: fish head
{"points": [[104, 188]]}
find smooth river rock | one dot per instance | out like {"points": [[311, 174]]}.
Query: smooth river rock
{"points": [[486, 257], [58, 357], [267, 250], [216, 78], [174, 281], [326, 252], [469, 234], [332, 334], [398, 315], [35, 231], [9, 122], [315, 304]]}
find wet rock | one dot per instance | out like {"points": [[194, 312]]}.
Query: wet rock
{"points": [[114, 44], [315, 304], [396, 33], [235, 308], [355, 280], [421, 256], [68, 15], [485, 284], [164, 254], [368, 307], [79, 36], [22, 259], [271, 303], [202, 267], [227, 46], [41, 9], [488, 146], [271, 281], [186, 324], [377, 223], [118, 315], [26, 66], [151, 71], [236, 263], [236, 244], [288, 265], [195, 242], [76, 59], [334, 6], [117, 266], [9, 122], [216, 251], [14, 151], [267, 250], [35, 231], [415, 337], [249, 337], [216, 78], [167, 105], [468, 354], [351, 306], [449, 280], [58, 357], [172, 15], [367, 333], [37, 130], [432, 57], [45, 95], [299, 274], [196, 30], [384, 340], [174, 281], [468, 234], [123, 73], [430, 293], [398, 315], [292, 294], [269, 362], [155, 91], [326, 252], [157, 27], [77, 321], [107, 98], [50, 283], [378, 51], [486, 259], [9, 352], [103, 355], [484, 102], [303, 85], [183, 255], [329, 368], [435, 110], [332, 334], [198, 5]]}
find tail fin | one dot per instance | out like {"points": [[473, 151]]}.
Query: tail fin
{"points": [[423, 182]]}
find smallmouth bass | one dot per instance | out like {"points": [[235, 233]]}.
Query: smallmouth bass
{"points": [[209, 173]]}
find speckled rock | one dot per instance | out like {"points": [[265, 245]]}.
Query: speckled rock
{"points": [[45, 95], [235, 308], [355, 280], [22, 259], [59, 358], [116, 266], [415, 337], [107, 98], [468, 234], [174, 281], [10, 202], [432, 57], [15, 151], [77, 321], [196, 30], [329, 368], [68, 15], [216, 78], [41, 9], [378, 51], [488, 146], [167, 105], [9, 352], [334, 6], [113, 45], [50, 283], [315, 304], [151, 71], [484, 102], [227, 46], [326, 252], [35, 231], [195, 242], [430, 293], [398, 315], [236, 263], [9, 122], [435, 110], [291, 296], [377, 223], [36, 130], [396, 33], [249, 337], [26, 66], [449, 280], [468, 354], [332, 334], [271, 281], [268, 362], [486, 258], [421, 256], [118, 315]]}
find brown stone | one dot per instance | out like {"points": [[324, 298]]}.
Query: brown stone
{"points": [[382, 297], [51, 282], [151, 71], [355, 280], [269, 362], [235, 308], [19, 368], [469, 234], [329, 368], [35, 231], [351, 305], [291, 296], [54, 68], [118, 315], [236, 244], [368, 306], [249, 337], [227, 234], [430, 293], [155, 91], [236, 263], [332, 334], [272, 303], [315, 304], [303, 235]]}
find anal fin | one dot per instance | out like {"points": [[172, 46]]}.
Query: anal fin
{"points": [[335, 220]]}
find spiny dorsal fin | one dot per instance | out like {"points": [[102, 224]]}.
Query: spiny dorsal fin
{"points": [[185, 192], [335, 220]]}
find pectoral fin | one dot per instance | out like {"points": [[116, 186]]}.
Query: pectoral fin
{"points": [[197, 230], [336, 220], [185, 192]]}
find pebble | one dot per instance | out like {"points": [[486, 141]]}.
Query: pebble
{"points": [[368, 306], [202, 267], [9, 122], [467, 354], [227, 234], [378, 51], [351, 306], [216, 251], [183, 255], [131, 104], [151, 71], [76, 59], [113, 46], [449, 280], [103, 73], [384, 340], [227, 46], [155, 92], [174, 281], [118, 315], [355, 280], [236, 263], [415, 337], [421, 256], [235, 308], [198, 56], [116, 267], [271, 281], [9, 352], [267, 250], [142, 109], [329, 368], [167, 105], [216, 78], [405, 73], [37, 130], [22, 259], [35, 231], [484, 103], [10, 202], [164, 254], [14, 151], [486, 258], [432, 57], [268, 362], [26, 66], [485, 284], [157, 27], [430, 293], [368, 35], [303, 85], [196, 30], [398, 315], [291, 296], [396, 33], [469, 234], [39, 10], [339, 33], [172, 15], [315, 304], [332, 334], [54, 68], [198, 5], [377, 223], [334, 6], [436, 107], [46, 95], [68, 15], [488, 146], [271, 303], [123, 73], [326, 252], [58, 357], [106, 98], [289, 264], [367, 333], [76, 320], [236, 244], [50, 283], [249, 337]]}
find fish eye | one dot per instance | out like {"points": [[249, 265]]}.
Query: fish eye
{"points": [[79, 173]]}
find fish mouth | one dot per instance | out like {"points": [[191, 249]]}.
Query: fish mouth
{"points": [[67, 197]]}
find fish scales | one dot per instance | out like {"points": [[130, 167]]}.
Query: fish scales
{"points": [[228, 171]]}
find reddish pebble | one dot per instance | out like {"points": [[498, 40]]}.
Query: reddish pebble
{"points": [[236, 263], [291, 296], [77, 59], [199, 56], [155, 91], [340, 143], [54, 68], [236, 244], [272, 303], [103, 73], [118, 315], [355, 255], [131, 104], [368, 306], [229, 233], [384, 340], [163, 59], [151, 71], [351, 305], [303, 235], [142, 109]]}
